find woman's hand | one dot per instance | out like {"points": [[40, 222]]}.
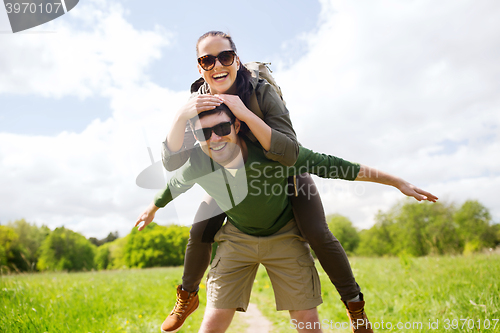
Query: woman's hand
{"points": [[369, 174], [236, 105], [259, 128], [197, 105], [413, 191]]}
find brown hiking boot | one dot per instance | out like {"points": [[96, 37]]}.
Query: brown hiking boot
{"points": [[357, 316], [186, 304]]}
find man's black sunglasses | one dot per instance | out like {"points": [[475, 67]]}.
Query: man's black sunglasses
{"points": [[226, 58], [222, 129]]}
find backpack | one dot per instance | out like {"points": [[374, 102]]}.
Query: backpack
{"points": [[259, 70]]}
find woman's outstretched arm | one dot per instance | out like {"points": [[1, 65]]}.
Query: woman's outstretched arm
{"points": [[369, 174]]}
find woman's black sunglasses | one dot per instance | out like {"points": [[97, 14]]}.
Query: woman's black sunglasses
{"points": [[222, 129], [226, 58]]}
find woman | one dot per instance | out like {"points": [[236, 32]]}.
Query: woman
{"points": [[227, 81]]}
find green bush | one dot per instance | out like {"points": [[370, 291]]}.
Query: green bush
{"points": [[12, 253], [30, 239], [344, 231], [156, 246], [475, 226], [418, 229], [8, 238], [66, 250], [117, 253], [378, 240], [103, 257]]}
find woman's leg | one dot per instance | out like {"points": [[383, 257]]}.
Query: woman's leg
{"points": [[207, 222], [310, 217]]}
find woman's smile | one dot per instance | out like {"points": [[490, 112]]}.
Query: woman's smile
{"points": [[220, 76]]}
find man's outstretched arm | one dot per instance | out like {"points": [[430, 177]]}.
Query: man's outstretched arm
{"points": [[369, 174]]}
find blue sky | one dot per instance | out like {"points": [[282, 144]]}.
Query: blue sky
{"points": [[410, 88]]}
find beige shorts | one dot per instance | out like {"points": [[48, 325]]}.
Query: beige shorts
{"points": [[286, 257]]}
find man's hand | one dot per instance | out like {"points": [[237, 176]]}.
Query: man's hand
{"points": [[413, 191], [146, 217]]}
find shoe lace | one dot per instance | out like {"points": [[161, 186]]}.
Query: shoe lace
{"points": [[180, 306], [358, 314]]}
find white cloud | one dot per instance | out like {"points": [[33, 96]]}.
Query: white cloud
{"points": [[91, 50], [392, 85], [86, 180]]}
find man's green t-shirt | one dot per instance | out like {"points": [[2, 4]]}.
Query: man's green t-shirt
{"points": [[254, 197]]}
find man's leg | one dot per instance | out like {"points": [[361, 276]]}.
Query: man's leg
{"points": [[306, 320], [294, 278], [216, 320], [230, 279]]}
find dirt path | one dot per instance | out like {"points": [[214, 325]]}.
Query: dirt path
{"points": [[254, 320]]}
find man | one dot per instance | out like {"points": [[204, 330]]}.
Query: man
{"points": [[252, 191]]}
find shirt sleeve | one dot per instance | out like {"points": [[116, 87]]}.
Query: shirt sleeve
{"points": [[173, 161], [323, 165], [180, 182], [284, 146]]}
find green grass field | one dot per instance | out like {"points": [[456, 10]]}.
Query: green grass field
{"points": [[461, 292]]}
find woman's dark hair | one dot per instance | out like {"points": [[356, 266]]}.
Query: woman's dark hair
{"points": [[243, 85]]}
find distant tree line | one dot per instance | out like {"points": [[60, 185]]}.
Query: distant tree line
{"points": [[98, 242], [25, 247], [408, 228], [421, 228]]}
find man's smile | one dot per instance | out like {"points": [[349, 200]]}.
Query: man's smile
{"points": [[218, 146]]}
